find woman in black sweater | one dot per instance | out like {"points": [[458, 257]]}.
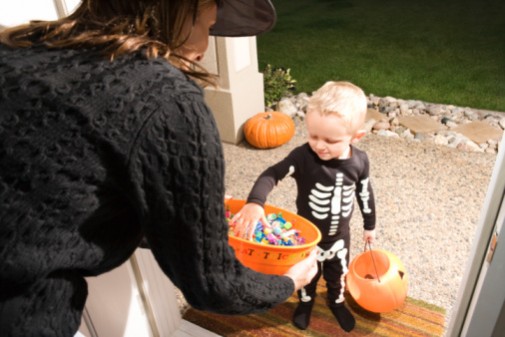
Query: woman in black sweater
{"points": [[105, 139]]}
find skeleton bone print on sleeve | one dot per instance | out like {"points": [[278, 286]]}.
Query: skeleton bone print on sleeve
{"points": [[336, 201], [365, 196]]}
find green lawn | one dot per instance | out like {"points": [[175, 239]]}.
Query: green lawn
{"points": [[442, 51]]}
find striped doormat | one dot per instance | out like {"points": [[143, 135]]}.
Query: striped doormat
{"points": [[414, 319]]}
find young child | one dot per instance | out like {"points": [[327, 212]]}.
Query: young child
{"points": [[330, 173]]}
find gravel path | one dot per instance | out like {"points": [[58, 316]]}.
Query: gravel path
{"points": [[428, 200]]}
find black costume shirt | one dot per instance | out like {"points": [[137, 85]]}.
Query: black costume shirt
{"points": [[326, 189]]}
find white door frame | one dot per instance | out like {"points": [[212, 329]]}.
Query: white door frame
{"points": [[479, 308]]}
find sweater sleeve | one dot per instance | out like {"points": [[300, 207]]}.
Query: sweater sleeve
{"points": [[178, 165]]}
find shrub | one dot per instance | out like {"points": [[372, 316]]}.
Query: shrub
{"points": [[278, 83]]}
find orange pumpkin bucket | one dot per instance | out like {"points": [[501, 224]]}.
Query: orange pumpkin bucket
{"points": [[270, 259], [377, 281]]}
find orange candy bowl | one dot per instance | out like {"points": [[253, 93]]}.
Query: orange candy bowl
{"points": [[271, 259]]}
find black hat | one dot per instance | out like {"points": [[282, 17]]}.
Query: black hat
{"points": [[243, 17]]}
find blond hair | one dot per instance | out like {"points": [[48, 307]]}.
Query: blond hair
{"points": [[343, 99]]}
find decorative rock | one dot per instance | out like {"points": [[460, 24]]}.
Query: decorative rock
{"points": [[381, 126], [423, 136], [471, 115], [388, 133], [369, 125], [435, 110], [287, 106], [480, 131], [446, 120], [395, 122], [373, 100], [404, 108], [469, 146], [441, 140], [392, 117], [407, 134], [451, 124], [301, 101], [376, 115], [492, 143], [421, 124]]}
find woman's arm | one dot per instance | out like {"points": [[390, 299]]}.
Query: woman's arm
{"points": [[178, 165]]}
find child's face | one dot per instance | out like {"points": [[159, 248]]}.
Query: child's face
{"points": [[328, 136]]}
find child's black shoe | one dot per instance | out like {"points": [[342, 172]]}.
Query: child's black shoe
{"points": [[301, 316], [343, 316]]}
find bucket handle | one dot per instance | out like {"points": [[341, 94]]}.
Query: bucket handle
{"points": [[373, 260]]}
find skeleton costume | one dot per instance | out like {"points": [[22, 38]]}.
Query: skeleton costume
{"points": [[326, 194]]}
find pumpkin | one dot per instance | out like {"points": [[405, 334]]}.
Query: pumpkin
{"points": [[269, 129], [377, 281]]}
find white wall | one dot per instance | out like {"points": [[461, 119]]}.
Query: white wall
{"points": [[15, 12]]}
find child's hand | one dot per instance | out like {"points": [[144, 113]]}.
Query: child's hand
{"points": [[246, 219], [369, 236]]}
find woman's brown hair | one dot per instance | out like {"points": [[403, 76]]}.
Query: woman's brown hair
{"points": [[118, 27]]}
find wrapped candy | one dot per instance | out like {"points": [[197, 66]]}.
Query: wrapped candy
{"points": [[279, 232]]}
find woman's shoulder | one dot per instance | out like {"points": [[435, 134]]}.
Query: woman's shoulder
{"points": [[134, 71], [165, 79]]}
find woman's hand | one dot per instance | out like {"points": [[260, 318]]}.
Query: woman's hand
{"points": [[247, 218], [304, 271]]}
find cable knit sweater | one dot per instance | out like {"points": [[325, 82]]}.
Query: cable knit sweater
{"points": [[94, 156]]}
